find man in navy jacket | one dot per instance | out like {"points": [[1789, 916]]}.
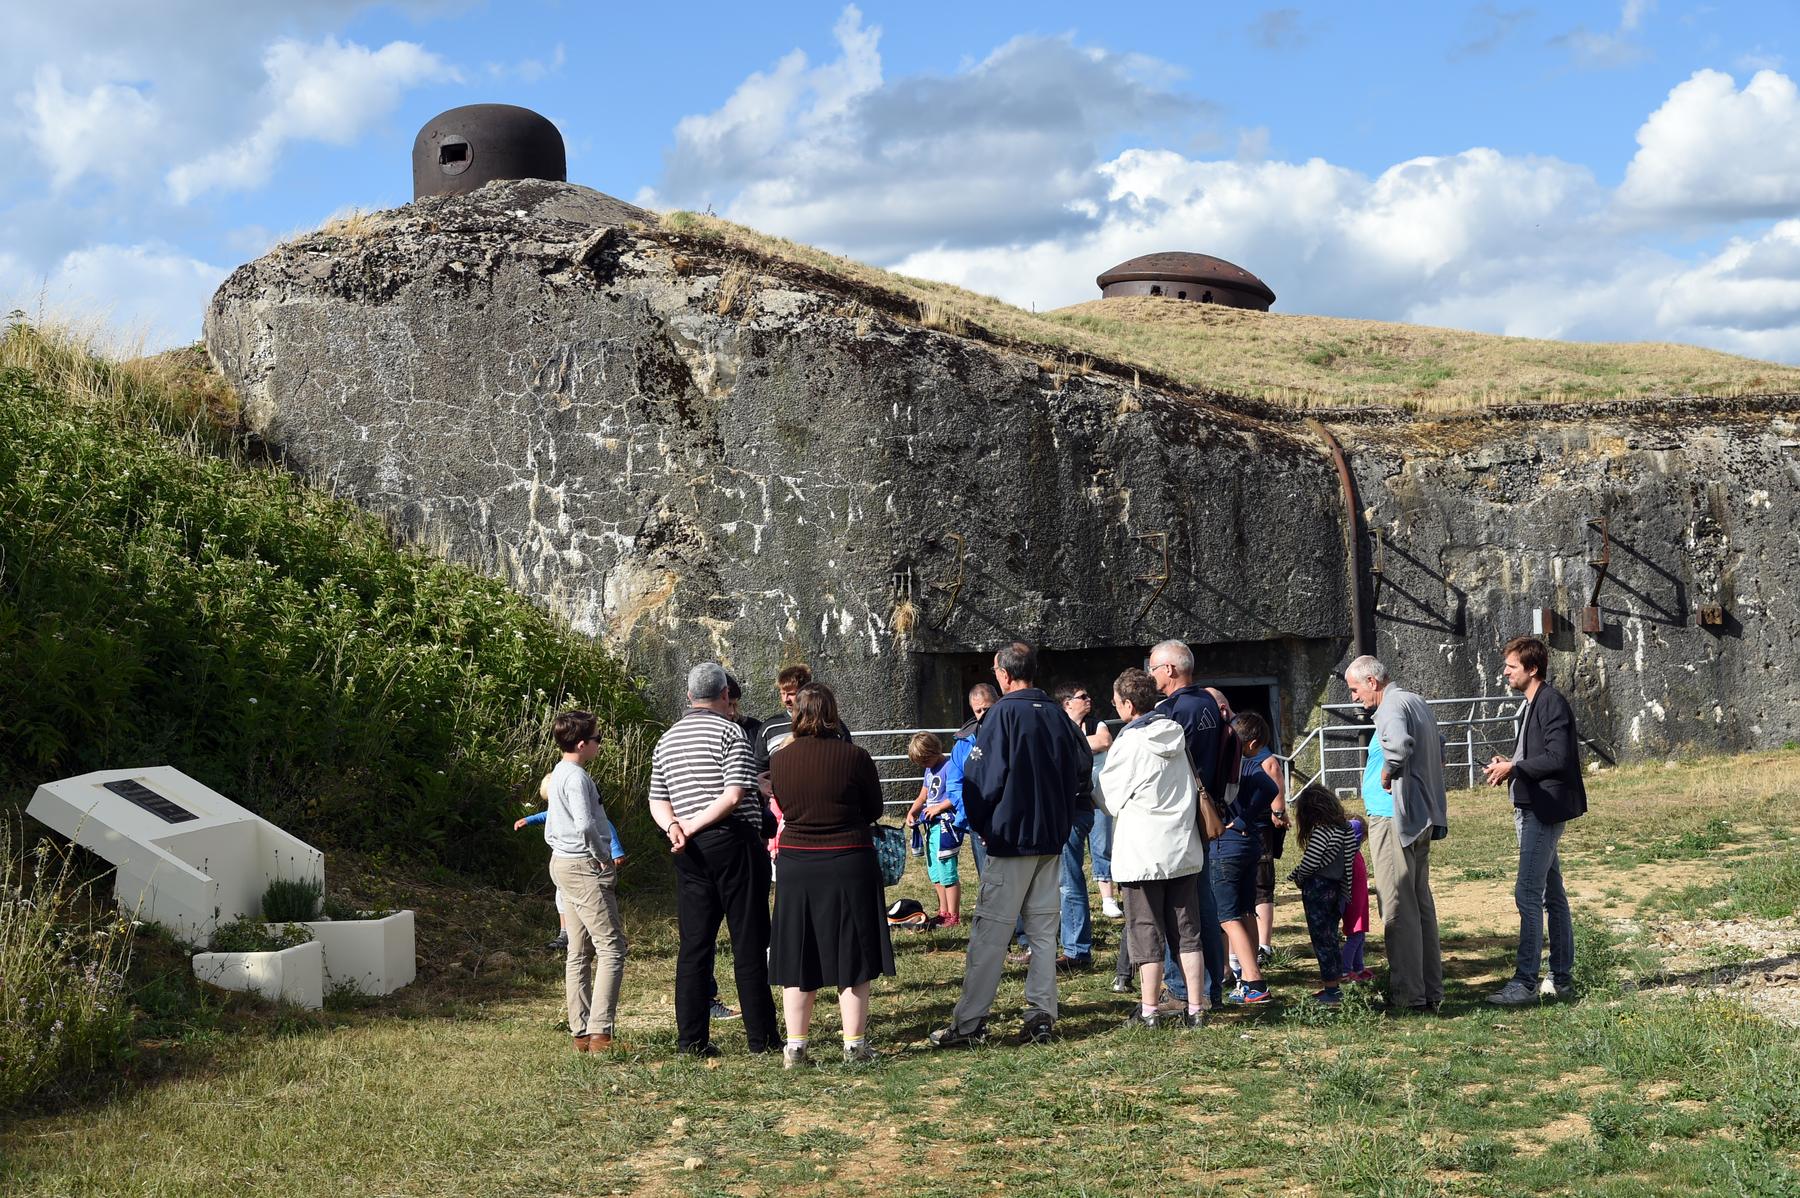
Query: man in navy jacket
{"points": [[1021, 784], [1544, 776], [1172, 669]]}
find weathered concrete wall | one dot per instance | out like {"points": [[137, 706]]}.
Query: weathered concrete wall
{"points": [[1482, 520], [693, 455]]}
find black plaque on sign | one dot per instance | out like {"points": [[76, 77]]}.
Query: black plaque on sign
{"points": [[167, 810]]}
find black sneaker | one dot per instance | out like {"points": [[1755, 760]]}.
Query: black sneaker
{"points": [[1039, 1029], [1074, 964], [558, 943], [1138, 1019], [1193, 1019], [949, 1037], [703, 1051], [1121, 985]]}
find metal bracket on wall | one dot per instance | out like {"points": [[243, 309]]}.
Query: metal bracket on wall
{"points": [[1161, 580], [1380, 562], [1591, 622], [954, 583]]}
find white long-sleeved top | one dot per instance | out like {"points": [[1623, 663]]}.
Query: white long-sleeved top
{"points": [[575, 824]]}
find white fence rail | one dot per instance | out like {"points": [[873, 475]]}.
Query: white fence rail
{"points": [[1474, 729]]}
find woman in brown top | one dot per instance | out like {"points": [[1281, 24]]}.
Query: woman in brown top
{"points": [[829, 926]]}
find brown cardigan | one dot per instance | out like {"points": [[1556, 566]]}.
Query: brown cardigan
{"points": [[828, 792]]}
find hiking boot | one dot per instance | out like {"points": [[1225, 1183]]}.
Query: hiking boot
{"points": [[1073, 964], [558, 943], [1138, 1019], [1514, 994], [949, 1037], [721, 1011], [860, 1054], [1194, 1019], [794, 1056], [1038, 1029]]}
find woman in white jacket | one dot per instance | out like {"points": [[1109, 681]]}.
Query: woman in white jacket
{"points": [[1148, 788]]}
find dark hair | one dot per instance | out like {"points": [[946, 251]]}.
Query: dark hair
{"points": [[1067, 691], [815, 711], [1533, 654], [797, 675], [1019, 660], [986, 690], [1138, 689], [1250, 726], [734, 690], [1315, 806], [573, 727]]}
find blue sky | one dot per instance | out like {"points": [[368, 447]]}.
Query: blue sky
{"points": [[1623, 170]]}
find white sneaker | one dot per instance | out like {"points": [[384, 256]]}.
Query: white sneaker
{"points": [[1112, 909]]}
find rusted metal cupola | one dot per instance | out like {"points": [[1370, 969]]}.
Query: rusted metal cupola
{"points": [[459, 150], [1199, 278]]}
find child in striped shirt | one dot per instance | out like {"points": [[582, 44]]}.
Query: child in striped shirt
{"points": [[1324, 875]]}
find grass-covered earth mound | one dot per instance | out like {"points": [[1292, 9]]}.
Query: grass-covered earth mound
{"points": [[165, 597], [1293, 360]]}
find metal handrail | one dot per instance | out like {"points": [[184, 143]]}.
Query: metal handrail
{"points": [[1467, 743]]}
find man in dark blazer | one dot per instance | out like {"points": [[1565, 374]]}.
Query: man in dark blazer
{"points": [[1544, 775]]}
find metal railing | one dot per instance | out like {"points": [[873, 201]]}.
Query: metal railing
{"points": [[894, 767], [1474, 729]]}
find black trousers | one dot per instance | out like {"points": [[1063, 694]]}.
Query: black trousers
{"points": [[723, 875]]}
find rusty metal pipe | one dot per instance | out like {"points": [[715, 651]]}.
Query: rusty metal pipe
{"points": [[1361, 626]]}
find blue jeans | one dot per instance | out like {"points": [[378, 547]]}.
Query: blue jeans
{"points": [[1539, 893], [1212, 946], [979, 851], [1077, 917], [1100, 844]]}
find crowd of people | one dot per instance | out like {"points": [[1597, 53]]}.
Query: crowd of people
{"points": [[1179, 803]]}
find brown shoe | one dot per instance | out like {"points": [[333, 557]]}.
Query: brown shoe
{"points": [[604, 1042], [581, 1044]]}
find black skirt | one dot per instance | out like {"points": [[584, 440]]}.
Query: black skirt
{"points": [[830, 925]]}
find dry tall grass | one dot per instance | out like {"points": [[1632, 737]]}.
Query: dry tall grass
{"points": [[176, 391], [1299, 361]]}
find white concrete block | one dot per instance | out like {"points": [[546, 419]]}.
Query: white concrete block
{"points": [[188, 857], [371, 956], [295, 975]]}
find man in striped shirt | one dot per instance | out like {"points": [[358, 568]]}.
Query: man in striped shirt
{"points": [[703, 795]]}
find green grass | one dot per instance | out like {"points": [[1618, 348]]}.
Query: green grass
{"points": [[464, 1084]]}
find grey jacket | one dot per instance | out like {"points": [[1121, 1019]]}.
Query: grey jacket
{"points": [[1415, 759]]}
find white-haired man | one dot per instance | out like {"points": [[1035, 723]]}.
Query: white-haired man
{"points": [[1403, 794], [703, 795]]}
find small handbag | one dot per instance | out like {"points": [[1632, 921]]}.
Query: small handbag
{"points": [[1212, 825], [890, 852]]}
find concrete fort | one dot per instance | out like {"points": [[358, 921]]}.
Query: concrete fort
{"points": [[694, 451]]}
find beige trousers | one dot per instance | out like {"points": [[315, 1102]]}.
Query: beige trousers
{"points": [[596, 962], [1402, 875]]}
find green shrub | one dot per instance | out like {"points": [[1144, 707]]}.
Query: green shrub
{"points": [[246, 935], [268, 640], [63, 1012], [1599, 959], [290, 900]]}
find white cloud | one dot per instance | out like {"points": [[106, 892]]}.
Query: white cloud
{"points": [[1714, 152], [110, 130], [328, 92], [1007, 147], [151, 295], [1607, 49]]}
